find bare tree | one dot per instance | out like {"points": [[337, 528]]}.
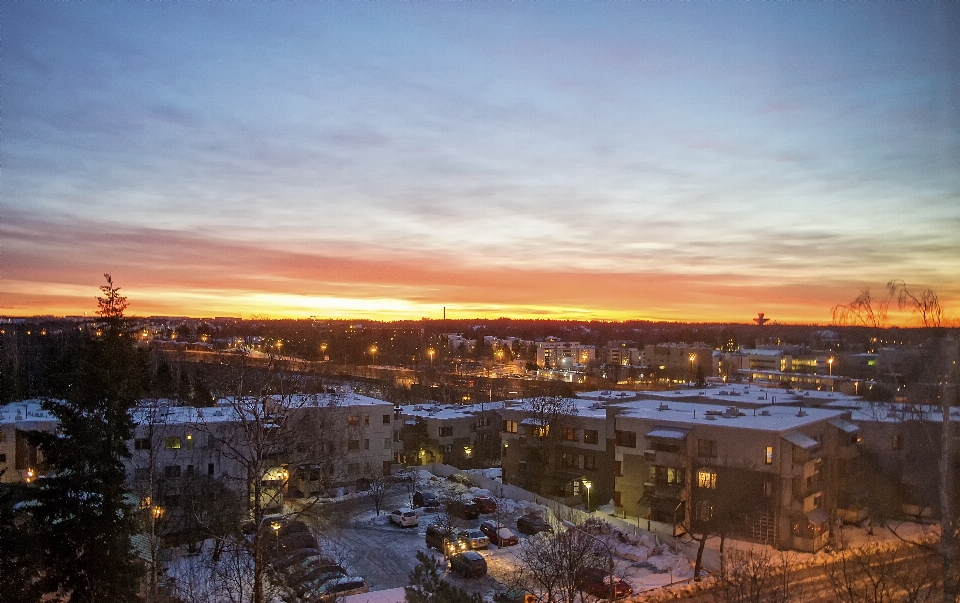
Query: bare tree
{"points": [[380, 486], [894, 575], [864, 310], [553, 563], [925, 304], [757, 577]]}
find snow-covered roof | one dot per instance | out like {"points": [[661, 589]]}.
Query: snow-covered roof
{"points": [[778, 418], [437, 411], [24, 411], [801, 441], [584, 408]]}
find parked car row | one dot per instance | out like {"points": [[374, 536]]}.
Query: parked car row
{"points": [[298, 563], [465, 509]]}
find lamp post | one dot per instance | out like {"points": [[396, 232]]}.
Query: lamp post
{"points": [[830, 368], [588, 484], [276, 531], [613, 588], [431, 353], [373, 354], [323, 350], [693, 358]]}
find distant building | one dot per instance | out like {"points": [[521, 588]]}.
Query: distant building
{"points": [[563, 355]]}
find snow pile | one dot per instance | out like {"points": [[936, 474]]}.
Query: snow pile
{"points": [[631, 553]]}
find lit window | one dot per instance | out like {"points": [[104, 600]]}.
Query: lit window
{"points": [[707, 479], [171, 443], [768, 455], [510, 427]]}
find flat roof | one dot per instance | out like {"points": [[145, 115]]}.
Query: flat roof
{"points": [[777, 418]]}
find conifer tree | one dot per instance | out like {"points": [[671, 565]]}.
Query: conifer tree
{"points": [[80, 511], [427, 585]]}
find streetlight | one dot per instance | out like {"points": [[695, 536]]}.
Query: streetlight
{"points": [[323, 350], [693, 358], [571, 526], [430, 353], [276, 530], [373, 354], [588, 484], [830, 366]]}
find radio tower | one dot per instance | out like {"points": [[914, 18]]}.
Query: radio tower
{"points": [[760, 320]]}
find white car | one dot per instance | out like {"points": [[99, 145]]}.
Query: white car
{"points": [[404, 517]]}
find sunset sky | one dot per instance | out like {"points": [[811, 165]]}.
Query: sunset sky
{"points": [[666, 161]]}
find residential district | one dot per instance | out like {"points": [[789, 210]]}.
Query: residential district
{"points": [[649, 449]]}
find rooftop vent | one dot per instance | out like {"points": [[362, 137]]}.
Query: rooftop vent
{"points": [[764, 413], [801, 413], [711, 417], [663, 406]]}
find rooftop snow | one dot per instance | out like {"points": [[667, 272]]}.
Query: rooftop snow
{"points": [[777, 418]]}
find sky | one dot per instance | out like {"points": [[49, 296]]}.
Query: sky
{"points": [[387, 160]]}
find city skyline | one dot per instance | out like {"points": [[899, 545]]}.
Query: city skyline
{"points": [[386, 161]]}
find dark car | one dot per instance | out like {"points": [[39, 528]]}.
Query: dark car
{"points": [[498, 534], [294, 557], [425, 499], [469, 564], [293, 527], [288, 544], [515, 596], [597, 582], [464, 509], [486, 504], [316, 574], [438, 537], [335, 590], [532, 524]]}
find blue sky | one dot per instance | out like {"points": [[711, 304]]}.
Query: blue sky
{"points": [[680, 161]]}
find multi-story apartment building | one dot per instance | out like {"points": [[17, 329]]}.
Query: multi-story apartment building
{"points": [[680, 360], [555, 354], [462, 436], [624, 353], [770, 474], [557, 447], [20, 461]]}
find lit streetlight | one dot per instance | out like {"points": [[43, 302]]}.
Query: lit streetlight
{"points": [[373, 354], [693, 358], [276, 530], [430, 353], [323, 351], [588, 484]]}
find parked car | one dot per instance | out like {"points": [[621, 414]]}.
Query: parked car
{"points": [[469, 564], [473, 539], [439, 538], [425, 499], [291, 542], [486, 504], [404, 517], [335, 590], [312, 576], [293, 527], [515, 596], [464, 509], [499, 534], [294, 557], [532, 524], [597, 582]]}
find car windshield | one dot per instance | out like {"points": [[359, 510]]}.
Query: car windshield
{"points": [[504, 533]]}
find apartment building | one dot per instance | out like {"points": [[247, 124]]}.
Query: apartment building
{"points": [[20, 461], [462, 436], [560, 448], [624, 353], [680, 360], [768, 474], [555, 354]]}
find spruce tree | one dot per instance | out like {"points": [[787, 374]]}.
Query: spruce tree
{"points": [[427, 585], [81, 511]]}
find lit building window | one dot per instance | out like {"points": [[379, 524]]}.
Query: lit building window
{"points": [[707, 479], [768, 455]]}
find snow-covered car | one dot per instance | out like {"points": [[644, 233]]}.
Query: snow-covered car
{"points": [[532, 524], [598, 582], [499, 534], [404, 517], [485, 504], [426, 499], [469, 564], [335, 590]]}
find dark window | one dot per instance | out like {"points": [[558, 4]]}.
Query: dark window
{"points": [[897, 443], [707, 448], [189, 469], [589, 462], [210, 469], [366, 444], [663, 447], [570, 434], [171, 471], [386, 419], [141, 444], [446, 432], [619, 468], [3, 458], [627, 439], [353, 445], [591, 436], [366, 419]]}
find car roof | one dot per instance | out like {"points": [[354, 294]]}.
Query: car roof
{"points": [[471, 555]]}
